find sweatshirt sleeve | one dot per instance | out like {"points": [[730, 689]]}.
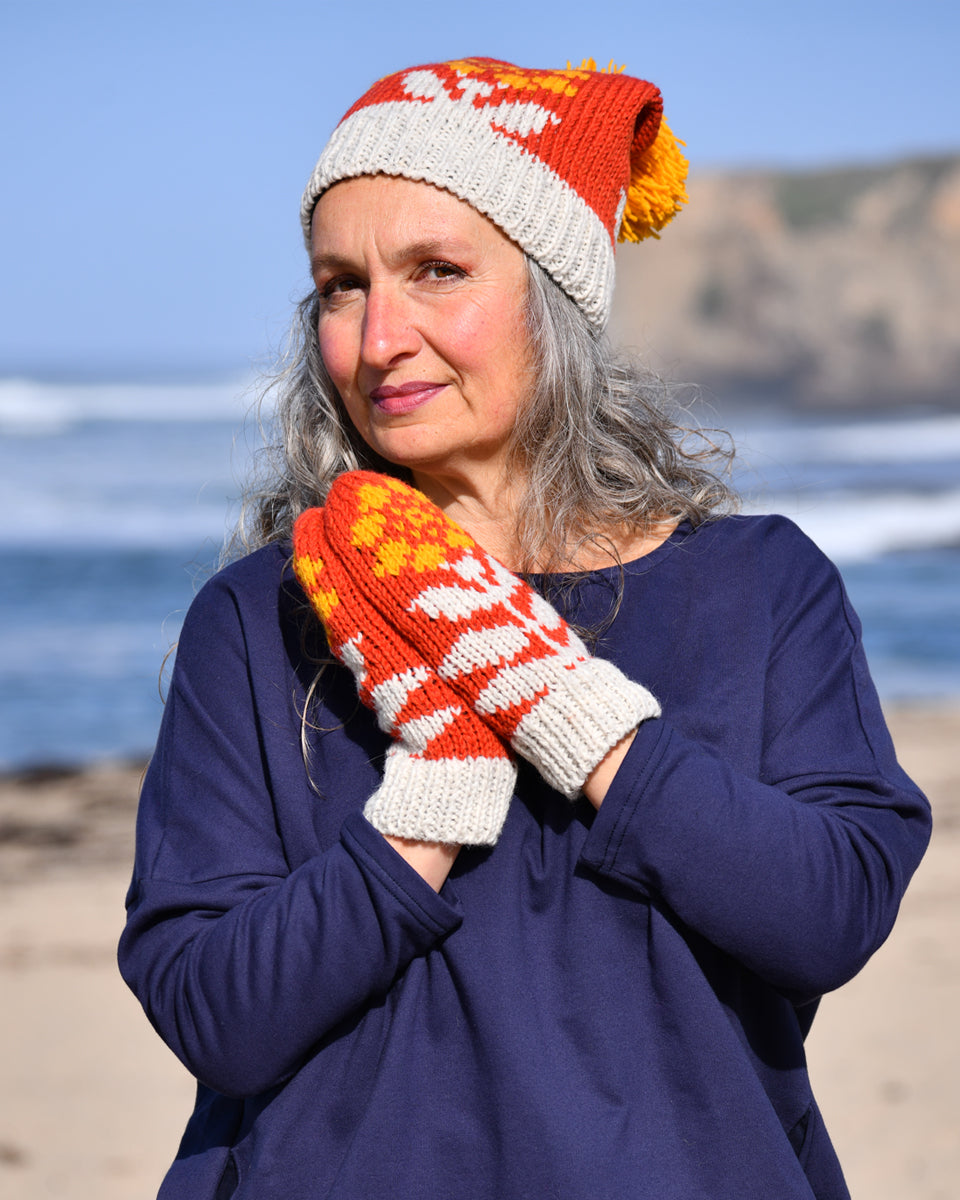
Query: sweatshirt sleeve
{"points": [[242, 960], [797, 873]]}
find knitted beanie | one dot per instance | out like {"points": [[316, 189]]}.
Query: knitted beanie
{"points": [[564, 162]]}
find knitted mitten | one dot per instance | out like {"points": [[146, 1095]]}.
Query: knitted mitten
{"points": [[495, 640], [447, 777]]}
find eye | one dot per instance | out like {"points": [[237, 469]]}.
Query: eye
{"points": [[338, 288], [439, 271]]}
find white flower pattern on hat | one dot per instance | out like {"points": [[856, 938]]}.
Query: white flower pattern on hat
{"points": [[521, 118]]}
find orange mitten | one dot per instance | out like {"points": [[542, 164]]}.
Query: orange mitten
{"points": [[496, 642], [447, 777]]}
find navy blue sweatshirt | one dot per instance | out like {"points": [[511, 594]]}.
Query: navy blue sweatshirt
{"points": [[605, 1004]]}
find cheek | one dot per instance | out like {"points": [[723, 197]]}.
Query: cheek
{"points": [[510, 359], [483, 341], [340, 357], [338, 351]]}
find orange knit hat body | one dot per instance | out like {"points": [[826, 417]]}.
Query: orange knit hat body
{"points": [[565, 162]]}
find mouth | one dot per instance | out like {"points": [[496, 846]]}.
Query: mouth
{"points": [[395, 401]]}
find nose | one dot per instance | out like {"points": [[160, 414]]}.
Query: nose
{"points": [[389, 332]]}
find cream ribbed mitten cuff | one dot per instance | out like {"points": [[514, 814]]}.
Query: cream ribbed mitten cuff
{"points": [[587, 710], [461, 802]]}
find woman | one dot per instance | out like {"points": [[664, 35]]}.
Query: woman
{"points": [[524, 921]]}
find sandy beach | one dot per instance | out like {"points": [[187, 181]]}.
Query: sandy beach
{"points": [[92, 1104]]}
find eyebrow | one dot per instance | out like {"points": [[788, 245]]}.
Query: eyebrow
{"points": [[427, 248], [327, 262]]}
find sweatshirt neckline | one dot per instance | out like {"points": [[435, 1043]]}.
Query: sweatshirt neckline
{"points": [[632, 566]]}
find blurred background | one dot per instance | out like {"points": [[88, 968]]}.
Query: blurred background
{"points": [[808, 300], [154, 157]]}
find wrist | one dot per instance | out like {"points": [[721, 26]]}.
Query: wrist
{"points": [[598, 781], [583, 717], [431, 860]]}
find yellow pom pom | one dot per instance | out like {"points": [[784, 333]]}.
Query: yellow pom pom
{"points": [[590, 64], [657, 187]]}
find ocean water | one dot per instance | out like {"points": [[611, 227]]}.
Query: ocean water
{"points": [[881, 496], [114, 501]]}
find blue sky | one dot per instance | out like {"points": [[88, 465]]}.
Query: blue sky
{"points": [[154, 153]]}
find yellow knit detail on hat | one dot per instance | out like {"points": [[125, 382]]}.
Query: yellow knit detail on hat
{"points": [[564, 83], [657, 187], [590, 64]]}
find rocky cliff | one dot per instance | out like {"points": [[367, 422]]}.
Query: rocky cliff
{"points": [[836, 287]]}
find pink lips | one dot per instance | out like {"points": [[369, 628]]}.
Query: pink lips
{"points": [[395, 401]]}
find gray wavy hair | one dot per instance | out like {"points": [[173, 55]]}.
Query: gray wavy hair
{"points": [[598, 448]]}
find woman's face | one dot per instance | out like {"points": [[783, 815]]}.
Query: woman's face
{"points": [[421, 324]]}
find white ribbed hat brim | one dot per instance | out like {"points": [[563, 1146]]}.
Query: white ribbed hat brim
{"points": [[457, 147]]}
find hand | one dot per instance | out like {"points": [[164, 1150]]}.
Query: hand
{"points": [[488, 635], [447, 777]]}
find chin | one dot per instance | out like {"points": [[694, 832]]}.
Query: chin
{"points": [[414, 457]]}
